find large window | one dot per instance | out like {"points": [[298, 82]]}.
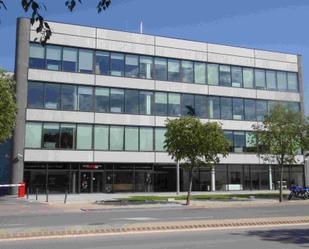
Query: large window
{"points": [[85, 61], [131, 138], [37, 56], [68, 97], [50, 136], [131, 101], [261, 109], [161, 103], [159, 139], [225, 75], [230, 138], [145, 102], [226, 108], [174, 104], [282, 81], [116, 137], [250, 142], [248, 77], [187, 105], [131, 66], [33, 135], [101, 137], [250, 113], [67, 136], [292, 82], [102, 62], [214, 107], [35, 95], [146, 139], [201, 106], [117, 64], [52, 96], [260, 79], [187, 71], [69, 59], [102, 99], [160, 68], [200, 72], [271, 80], [173, 70], [117, 100], [84, 137], [212, 74], [53, 57], [237, 77], [239, 141], [85, 98], [145, 67], [238, 109]]}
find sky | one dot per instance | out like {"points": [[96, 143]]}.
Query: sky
{"points": [[278, 25]]}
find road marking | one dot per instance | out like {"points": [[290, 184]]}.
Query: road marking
{"points": [[136, 218], [171, 218], [11, 225]]}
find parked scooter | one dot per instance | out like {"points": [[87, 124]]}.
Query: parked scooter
{"points": [[298, 192]]}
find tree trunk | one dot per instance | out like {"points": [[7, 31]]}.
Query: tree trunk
{"points": [[190, 187], [280, 187]]}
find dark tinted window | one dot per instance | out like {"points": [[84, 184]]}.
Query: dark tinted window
{"points": [[145, 102], [53, 57], [37, 56], [102, 99], [50, 136], [67, 136], [226, 108], [201, 106], [131, 66], [69, 59], [161, 69], [161, 103], [85, 98], [173, 70], [52, 96], [102, 62], [238, 109], [117, 64], [35, 95], [214, 107], [131, 101], [117, 100], [68, 97], [187, 105], [250, 113]]}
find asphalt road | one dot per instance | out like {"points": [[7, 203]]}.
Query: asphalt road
{"points": [[126, 216], [275, 238]]}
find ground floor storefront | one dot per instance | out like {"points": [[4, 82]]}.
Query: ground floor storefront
{"points": [[108, 178]]}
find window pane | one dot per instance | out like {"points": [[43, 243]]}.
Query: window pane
{"points": [[282, 81], [250, 113], [229, 136], [187, 71], [101, 137], [200, 72], [53, 57], [271, 80], [248, 77], [146, 139], [187, 105], [117, 64], [33, 135], [117, 100], [145, 102], [131, 101], [116, 138], [145, 67], [102, 99], [226, 108], [69, 61], [261, 109], [237, 76], [214, 107], [85, 98], [292, 82], [131, 66], [67, 136], [174, 104], [239, 141], [294, 106], [238, 109], [272, 104], [131, 138], [173, 70], [159, 139], [212, 74], [102, 62], [259, 78], [50, 136], [68, 97], [250, 142], [37, 56], [85, 62], [52, 96], [161, 103], [201, 106], [225, 75], [84, 137], [160, 68], [35, 95]]}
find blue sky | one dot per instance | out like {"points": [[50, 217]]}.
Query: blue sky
{"points": [[278, 25]]}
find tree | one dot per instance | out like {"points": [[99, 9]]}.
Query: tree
{"points": [[195, 144], [8, 107], [43, 27], [280, 137]]}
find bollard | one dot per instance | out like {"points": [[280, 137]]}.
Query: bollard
{"points": [[65, 196], [36, 193], [28, 193], [46, 195]]}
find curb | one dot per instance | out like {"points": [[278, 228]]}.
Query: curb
{"points": [[152, 227]]}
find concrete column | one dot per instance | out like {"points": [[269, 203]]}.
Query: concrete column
{"points": [[21, 77], [270, 174], [213, 178]]}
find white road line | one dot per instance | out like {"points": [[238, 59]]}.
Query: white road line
{"points": [[11, 225]]}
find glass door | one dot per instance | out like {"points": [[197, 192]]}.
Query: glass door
{"points": [[85, 182]]}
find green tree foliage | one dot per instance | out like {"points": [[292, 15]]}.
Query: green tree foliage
{"points": [[35, 8], [194, 144], [280, 138], [7, 106]]}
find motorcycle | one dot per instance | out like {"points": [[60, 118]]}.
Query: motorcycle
{"points": [[298, 192]]}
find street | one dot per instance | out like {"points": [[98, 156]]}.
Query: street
{"points": [[275, 238]]}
